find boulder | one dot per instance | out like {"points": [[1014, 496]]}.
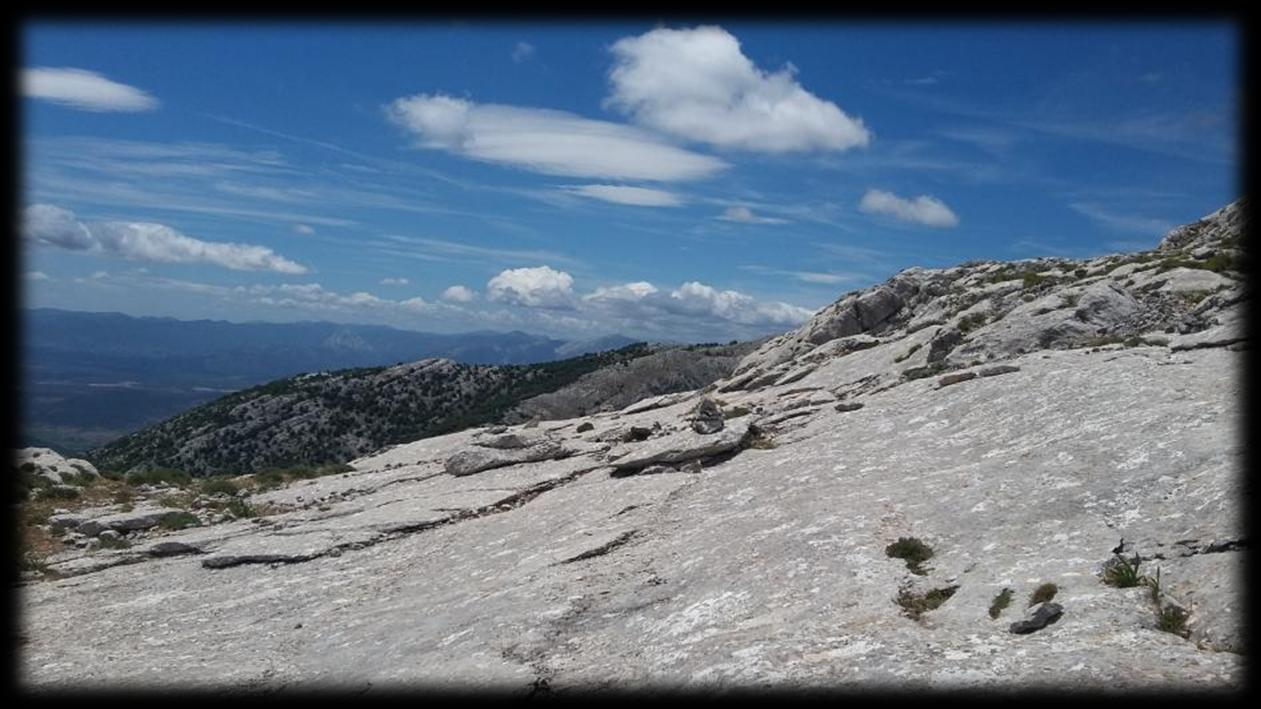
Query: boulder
{"points": [[127, 521], [679, 447], [63, 522], [1037, 617], [171, 548]]}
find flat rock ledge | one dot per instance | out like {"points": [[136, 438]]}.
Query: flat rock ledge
{"points": [[475, 461]]}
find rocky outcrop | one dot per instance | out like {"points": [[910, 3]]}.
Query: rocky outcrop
{"points": [[50, 465], [655, 555]]}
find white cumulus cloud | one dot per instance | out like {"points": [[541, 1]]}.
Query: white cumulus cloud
{"points": [[546, 141], [540, 287], [84, 90], [304, 229], [622, 194], [699, 85], [924, 209], [143, 241], [692, 302], [394, 281], [459, 294]]}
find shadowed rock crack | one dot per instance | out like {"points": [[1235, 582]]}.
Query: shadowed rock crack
{"points": [[603, 548]]}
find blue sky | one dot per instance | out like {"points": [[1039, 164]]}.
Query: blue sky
{"points": [[686, 182]]}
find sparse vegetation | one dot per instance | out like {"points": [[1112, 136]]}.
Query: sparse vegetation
{"points": [[112, 542], [911, 550], [275, 477], [58, 492], [735, 412], [159, 476], [916, 604], [217, 485], [1001, 601], [180, 520], [1043, 593], [240, 508], [971, 322], [1173, 619], [1122, 573]]}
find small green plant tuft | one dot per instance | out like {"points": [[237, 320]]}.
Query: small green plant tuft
{"points": [[916, 604], [1122, 573], [1043, 593], [1173, 619], [971, 322], [913, 551], [1001, 601], [736, 412], [180, 520], [240, 509]]}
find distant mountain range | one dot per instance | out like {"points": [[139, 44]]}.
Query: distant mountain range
{"points": [[88, 378]]}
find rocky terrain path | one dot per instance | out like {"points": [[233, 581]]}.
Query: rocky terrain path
{"points": [[848, 509]]}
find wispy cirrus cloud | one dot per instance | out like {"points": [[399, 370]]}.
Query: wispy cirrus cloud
{"points": [[145, 241], [817, 277], [744, 215], [698, 84], [1121, 222], [624, 194], [441, 249], [84, 90], [545, 141]]}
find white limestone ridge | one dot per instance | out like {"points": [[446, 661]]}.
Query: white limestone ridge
{"points": [[1027, 421]]}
